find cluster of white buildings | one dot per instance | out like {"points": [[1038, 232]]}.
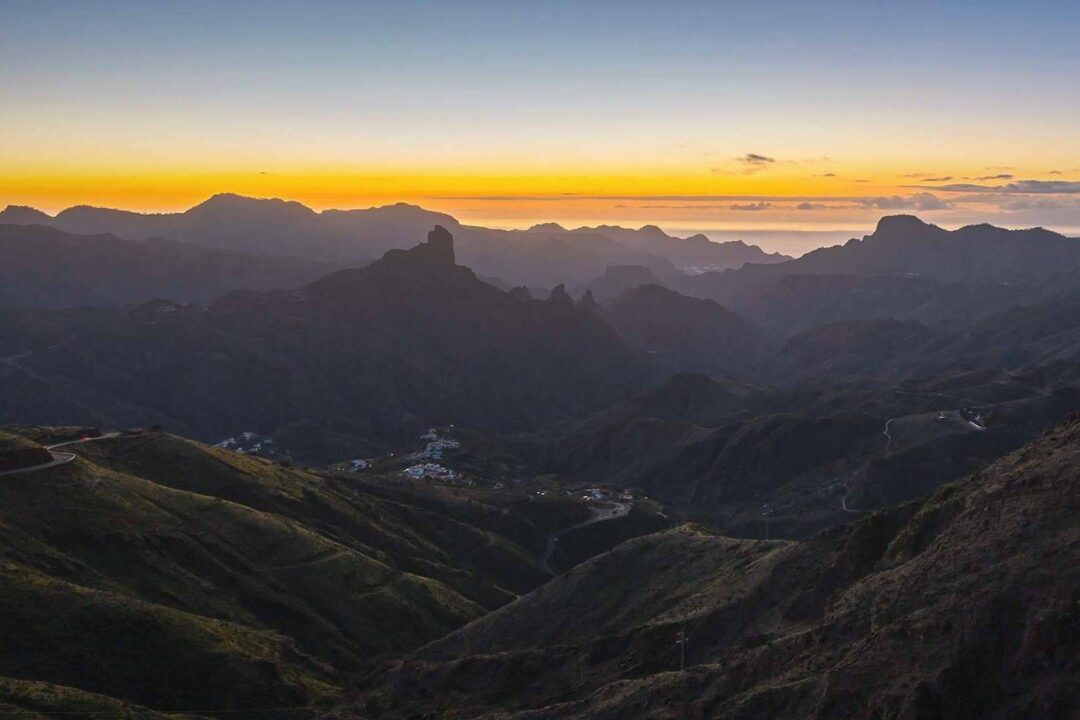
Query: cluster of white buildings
{"points": [[435, 446], [600, 494], [433, 450], [246, 442], [433, 471]]}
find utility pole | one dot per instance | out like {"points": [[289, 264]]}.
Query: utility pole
{"points": [[766, 511], [680, 640]]}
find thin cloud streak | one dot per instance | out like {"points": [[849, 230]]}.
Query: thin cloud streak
{"points": [[749, 163], [756, 159], [651, 198], [1020, 187]]}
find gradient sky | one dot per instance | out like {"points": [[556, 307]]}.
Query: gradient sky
{"points": [[710, 115]]}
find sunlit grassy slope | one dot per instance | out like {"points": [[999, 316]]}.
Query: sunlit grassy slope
{"points": [[173, 575]]}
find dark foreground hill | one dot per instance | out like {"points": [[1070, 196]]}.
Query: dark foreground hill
{"points": [[203, 580], [366, 356], [142, 570], [158, 571], [961, 605]]}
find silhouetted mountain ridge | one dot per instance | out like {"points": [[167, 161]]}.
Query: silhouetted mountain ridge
{"points": [[696, 253], [45, 267], [906, 269], [544, 256], [689, 334], [369, 355]]}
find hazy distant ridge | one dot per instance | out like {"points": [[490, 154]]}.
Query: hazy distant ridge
{"points": [[543, 256]]}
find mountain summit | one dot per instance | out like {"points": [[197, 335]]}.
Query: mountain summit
{"points": [[23, 215], [904, 244], [437, 251]]}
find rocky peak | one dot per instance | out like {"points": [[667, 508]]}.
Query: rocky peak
{"points": [[588, 302], [437, 251], [520, 293], [559, 295], [653, 231], [891, 225], [440, 246], [547, 227]]}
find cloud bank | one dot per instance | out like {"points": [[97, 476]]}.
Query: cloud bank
{"points": [[1020, 187], [919, 201]]}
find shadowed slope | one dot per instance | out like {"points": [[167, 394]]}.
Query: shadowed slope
{"points": [[962, 605], [369, 356]]}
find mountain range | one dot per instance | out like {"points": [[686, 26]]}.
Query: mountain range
{"points": [[906, 269], [46, 267], [836, 486], [203, 579], [539, 257], [687, 334], [368, 355], [961, 605], [696, 253]]}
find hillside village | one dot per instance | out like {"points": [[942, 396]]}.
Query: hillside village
{"points": [[249, 443]]}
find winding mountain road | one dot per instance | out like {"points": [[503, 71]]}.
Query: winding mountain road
{"points": [[600, 515], [59, 458], [888, 437], [843, 500]]}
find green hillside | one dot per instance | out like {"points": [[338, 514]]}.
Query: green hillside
{"points": [[959, 605], [162, 572]]}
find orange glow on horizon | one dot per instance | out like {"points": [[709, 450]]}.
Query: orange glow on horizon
{"points": [[808, 195]]}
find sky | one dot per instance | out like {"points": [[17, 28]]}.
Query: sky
{"points": [[716, 116]]}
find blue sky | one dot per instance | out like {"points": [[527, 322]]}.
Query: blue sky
{"points": [[646, 98]]}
